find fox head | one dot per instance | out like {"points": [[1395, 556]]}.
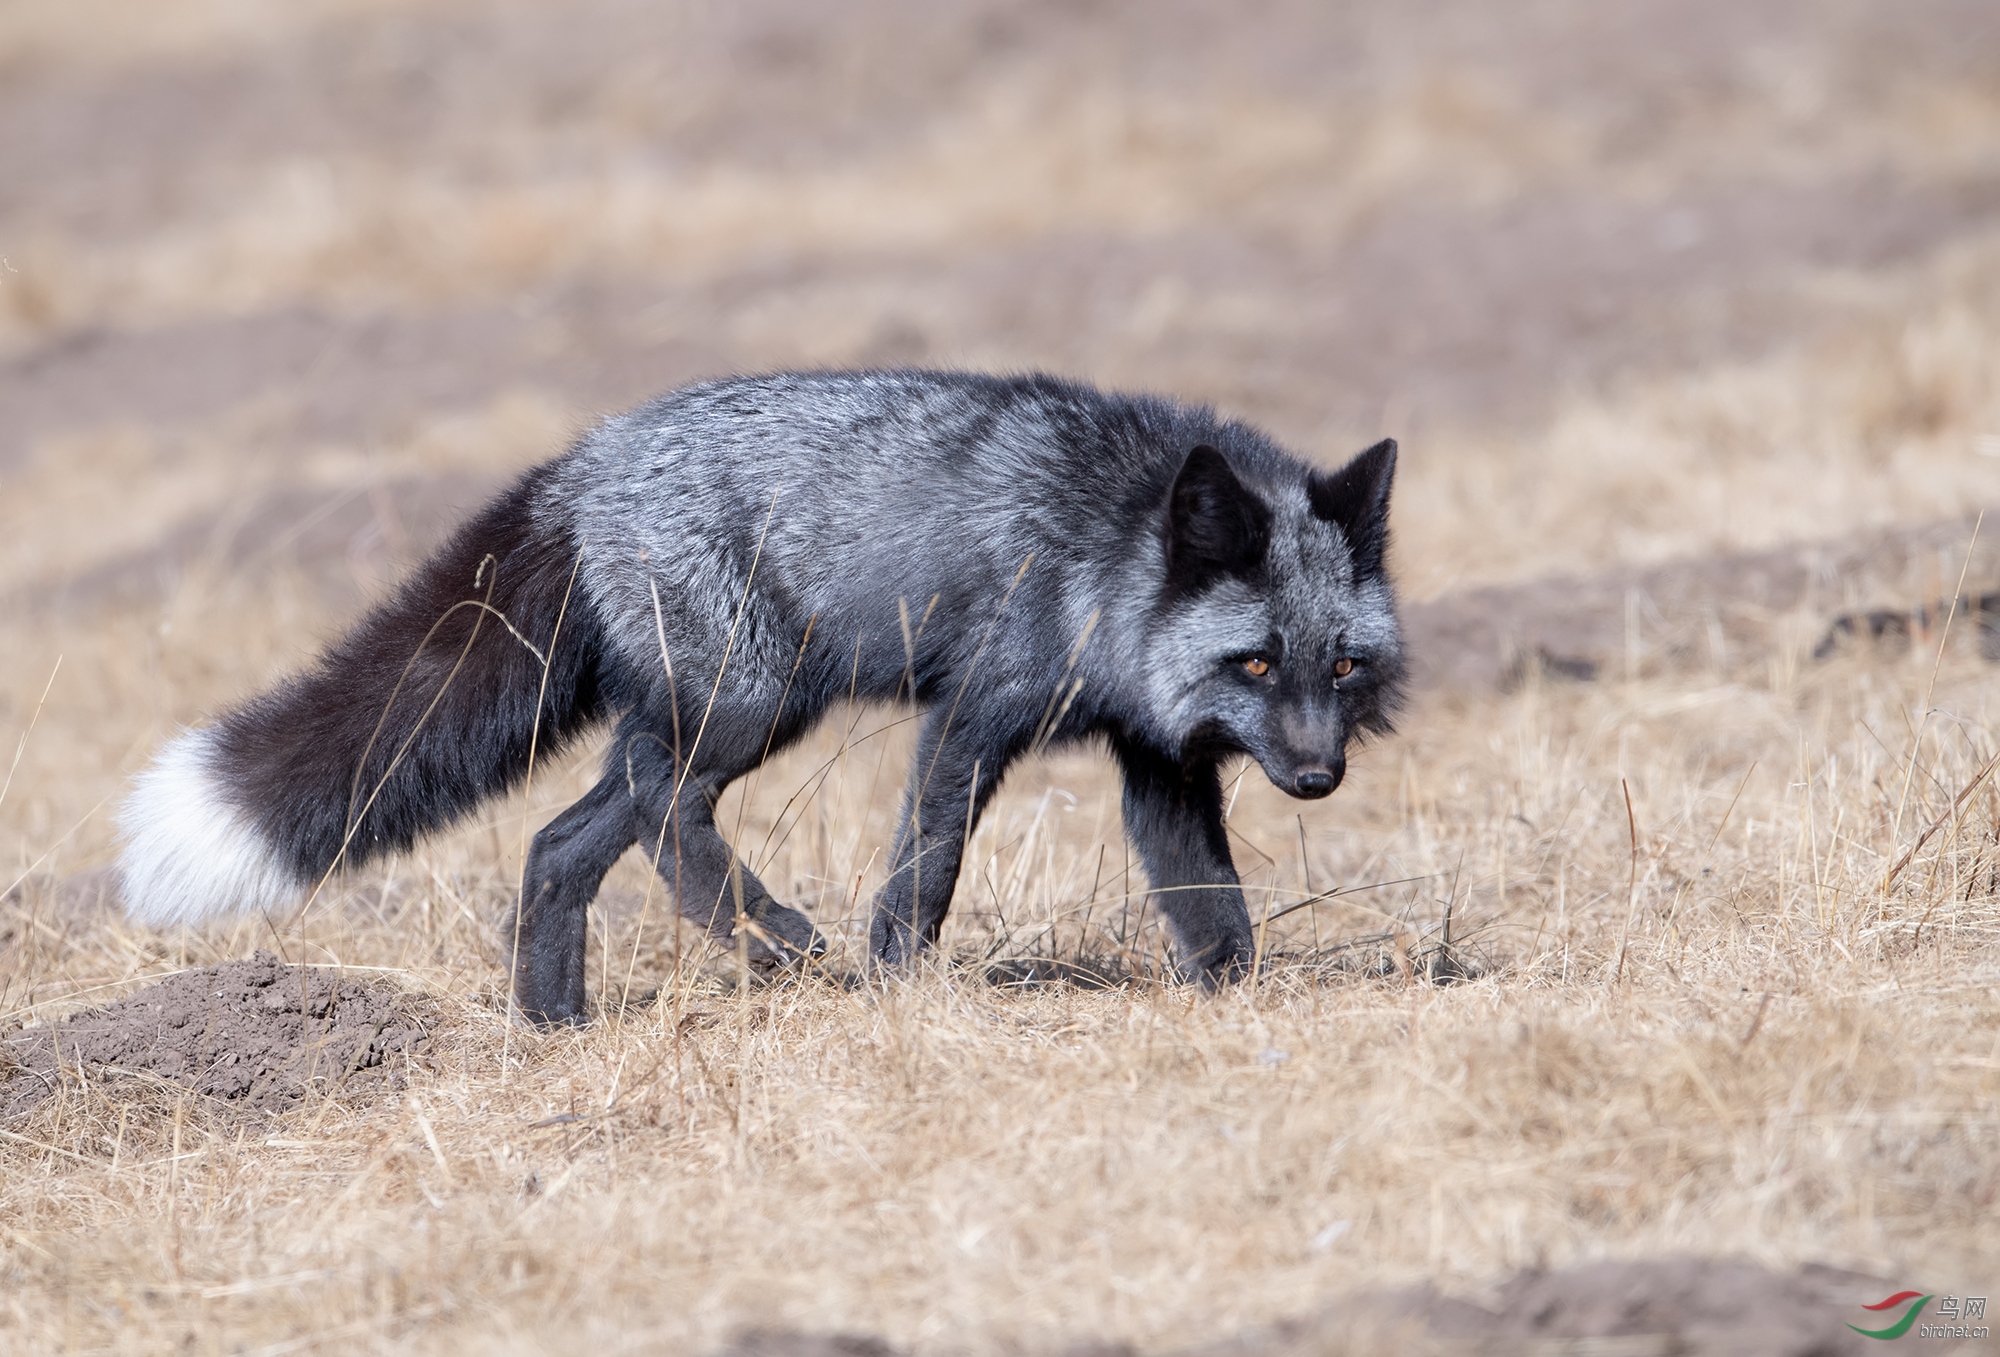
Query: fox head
{"points": [[1275, 631]]}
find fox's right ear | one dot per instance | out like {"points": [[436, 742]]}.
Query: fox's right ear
{"points": [[1355, 499], [1216, 525]]}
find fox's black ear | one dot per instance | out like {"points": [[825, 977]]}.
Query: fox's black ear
{"points": [[1355, 499], [1216, 525]]}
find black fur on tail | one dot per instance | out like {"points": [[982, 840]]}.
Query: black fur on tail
{"points": [[428, 706]]}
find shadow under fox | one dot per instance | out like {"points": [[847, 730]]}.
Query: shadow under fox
{"points": [[1033, 561]]}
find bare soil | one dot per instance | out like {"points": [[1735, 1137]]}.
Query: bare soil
{"points": [[258, 1035], [1716, 612], [1667, 1307]]}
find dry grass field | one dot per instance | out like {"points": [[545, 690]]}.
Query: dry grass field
{"points": [[1695, 958]]}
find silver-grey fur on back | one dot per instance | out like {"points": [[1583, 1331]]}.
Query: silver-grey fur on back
{"points": [[908, 485]]}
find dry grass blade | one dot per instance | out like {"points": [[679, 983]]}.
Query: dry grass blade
{"points": [[1977, 780], [1923, 720], [21, 747], [1631, 881]]}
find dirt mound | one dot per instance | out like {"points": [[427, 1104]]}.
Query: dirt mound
{"points": [[1712, 1307], [257, 1034], [1712, 611], [1663, 1307]]}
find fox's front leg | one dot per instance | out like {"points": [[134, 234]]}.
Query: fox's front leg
{"points": [[959, 763], [1173, 815]]}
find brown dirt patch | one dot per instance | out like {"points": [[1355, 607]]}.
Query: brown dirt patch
{"points": [[1663, 1307], [1712, 1307], [1713, 611], [257, 1034]]}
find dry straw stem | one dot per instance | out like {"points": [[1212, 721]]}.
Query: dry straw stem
{"points": [[7, 784], [1924, 717], [1631, 880]]}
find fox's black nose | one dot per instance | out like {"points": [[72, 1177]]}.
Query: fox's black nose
{"points": [[1315, 782]]}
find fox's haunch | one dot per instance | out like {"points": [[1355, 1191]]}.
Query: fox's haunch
{"points": [[427, 708]]}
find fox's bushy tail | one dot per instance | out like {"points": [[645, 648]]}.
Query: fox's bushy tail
{"points": [[425, 709]]}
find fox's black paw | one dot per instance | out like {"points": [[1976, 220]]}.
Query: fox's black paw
{"points": [[553, 1017], [892, 942], [1221, 964], [783, 940]]}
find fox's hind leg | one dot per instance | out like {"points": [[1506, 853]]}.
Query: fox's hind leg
{"points": [[570, 856], [566, 865], [711, 885], [1173, 814]]}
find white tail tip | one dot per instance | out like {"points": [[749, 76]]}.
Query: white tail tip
{"points": [[190, 853]]}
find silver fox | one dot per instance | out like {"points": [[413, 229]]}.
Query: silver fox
{"points": [[1031, 560]]}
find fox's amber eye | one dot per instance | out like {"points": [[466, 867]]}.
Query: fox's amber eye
{"points": [[1257, 665], [1342, 667]]}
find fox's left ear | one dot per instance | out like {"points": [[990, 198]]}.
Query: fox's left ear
{"points": [[1355, 499], [1216, 525]]}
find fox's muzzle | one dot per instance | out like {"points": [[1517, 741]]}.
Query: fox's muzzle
{"points": [[1313, 781]]}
